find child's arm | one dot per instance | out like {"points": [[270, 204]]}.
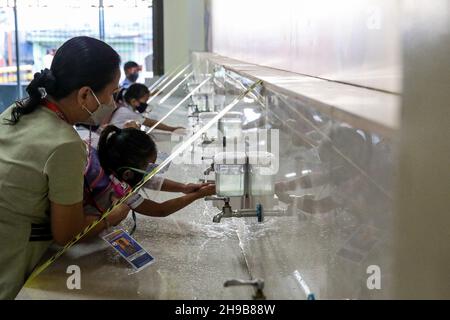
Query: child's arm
{"points": [[150, 123], [173, 186], [155, 209]]}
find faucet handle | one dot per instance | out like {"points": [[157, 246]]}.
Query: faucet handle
{"points": [[214, 198], [210, 181], [257, 283], [259, 212]]}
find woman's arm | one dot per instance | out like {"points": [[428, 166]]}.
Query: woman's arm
{"points": [[69, 220], [66, 221], [155, 209]]}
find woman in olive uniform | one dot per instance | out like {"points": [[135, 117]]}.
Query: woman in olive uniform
{"points": [[42, 158]]}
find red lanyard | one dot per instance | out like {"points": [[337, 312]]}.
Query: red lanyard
{"points": [[52, 106]]}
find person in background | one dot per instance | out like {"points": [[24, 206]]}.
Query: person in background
{"points": [[123, 158], [131, 70], [134, 104], [42, 158], [48, 58]]}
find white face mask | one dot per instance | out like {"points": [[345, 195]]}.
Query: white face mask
{"points": [[102, 113]]}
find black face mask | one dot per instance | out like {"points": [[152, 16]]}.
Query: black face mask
{"points": [[133, 76], [142, 107], [138, 174]]}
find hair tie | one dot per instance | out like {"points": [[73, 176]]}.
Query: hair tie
{"points": [[115, 131], [43, 92]]}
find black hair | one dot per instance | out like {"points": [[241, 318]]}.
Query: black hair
{"points": [[80, 61], [127, 147], [135, 91], [118, 95], [129, 65]]}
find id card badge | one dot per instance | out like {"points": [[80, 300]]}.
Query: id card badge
{"points": [[129, 249]]}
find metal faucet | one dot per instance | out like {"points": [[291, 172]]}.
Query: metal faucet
{"points": [[194, 109], [209, 170], [206, 140], [258, 284], [226, 212], [258, 213]]}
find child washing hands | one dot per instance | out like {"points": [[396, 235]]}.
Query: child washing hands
{"points": [[120, 163]]}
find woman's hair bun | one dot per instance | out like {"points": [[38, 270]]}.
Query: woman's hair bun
{"points": [[42, 80]]}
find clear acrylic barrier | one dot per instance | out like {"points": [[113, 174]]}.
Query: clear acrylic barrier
{"points": [[335, 180]]}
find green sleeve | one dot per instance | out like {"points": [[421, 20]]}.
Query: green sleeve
{"points": [[64, 170]]}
